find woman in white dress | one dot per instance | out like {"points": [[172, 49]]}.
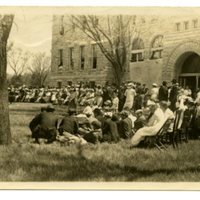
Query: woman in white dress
{"points": [[154, 124], [129, 94]]}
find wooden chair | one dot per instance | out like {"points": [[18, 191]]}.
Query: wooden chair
{"points": [[158, 140], [176, 134]]}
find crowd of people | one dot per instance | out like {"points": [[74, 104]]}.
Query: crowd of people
{"points": [[110, 114]]}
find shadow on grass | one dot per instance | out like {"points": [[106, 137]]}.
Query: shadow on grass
{"points": [[79, 168]]}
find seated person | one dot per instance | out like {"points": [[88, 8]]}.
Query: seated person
{"points": [[109, 129], [125, 125], [44, 125], [94, 135], [141, 121], [87, 109], [69, 129], [155, 122], [69, 123]]}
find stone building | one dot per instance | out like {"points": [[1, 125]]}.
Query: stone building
{"points": [[166, 47]]}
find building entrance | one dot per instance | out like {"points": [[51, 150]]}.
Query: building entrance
{"points": [[192, 81], [190, 72]]}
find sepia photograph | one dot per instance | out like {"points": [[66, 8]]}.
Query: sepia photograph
{"points": [[99, 95]]}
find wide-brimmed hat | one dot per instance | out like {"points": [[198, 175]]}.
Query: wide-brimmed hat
{"points": [[155, 85]]}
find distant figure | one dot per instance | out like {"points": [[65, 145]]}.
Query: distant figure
{"points": [[130, 95], [154, 92], [163, 92], [173, 95], [44, 125]]}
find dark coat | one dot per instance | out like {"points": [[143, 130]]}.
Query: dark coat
{"points": [[173, 93], [125, 128], [163, 93], [173, 97], [69, 124], [110, 131], [140, 122], [44, 125]]}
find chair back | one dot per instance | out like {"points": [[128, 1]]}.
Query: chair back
{"points": [[165, 127], [179, 115]]}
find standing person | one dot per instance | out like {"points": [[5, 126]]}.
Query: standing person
{"points": [[173, 95], [163, 92], [154, 92], [115, 103], [130, 95], [72, 102], [98, 96], [121, 97]]}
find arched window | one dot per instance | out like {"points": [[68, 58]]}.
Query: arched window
{"points": [[156, 47], [137, 50]]}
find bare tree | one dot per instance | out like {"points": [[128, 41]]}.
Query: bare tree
{"points": [[18, 60], [39, 69], [113, 36], [6, 22]]}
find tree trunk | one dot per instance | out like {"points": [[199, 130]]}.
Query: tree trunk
{"points": [[5, 133]]}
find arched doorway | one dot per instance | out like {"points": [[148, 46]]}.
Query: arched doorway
{"points": [[181, 57], [189, 70]]}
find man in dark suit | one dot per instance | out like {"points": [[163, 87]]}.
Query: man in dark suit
{"points": [[163, 92], [44, 125], [173, 95]]}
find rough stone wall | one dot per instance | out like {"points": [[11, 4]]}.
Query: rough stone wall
{"points": [[175, 44], [75, 39]]}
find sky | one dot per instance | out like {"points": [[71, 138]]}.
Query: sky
{"points": [[32, 26], [31, 32]]}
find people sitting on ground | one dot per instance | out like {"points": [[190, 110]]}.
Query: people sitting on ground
{"points": [[109, 128], [69, 129], [44, 125]]}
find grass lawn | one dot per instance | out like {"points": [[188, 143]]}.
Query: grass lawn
{"points": [[25, 161]]}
